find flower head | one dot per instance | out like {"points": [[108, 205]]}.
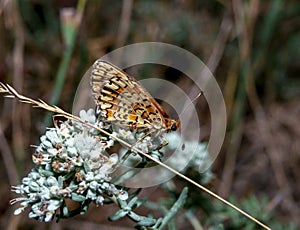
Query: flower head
{"points": [[71, 162]]}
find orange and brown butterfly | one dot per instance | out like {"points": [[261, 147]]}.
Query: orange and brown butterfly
{"points": [[123, 101]]}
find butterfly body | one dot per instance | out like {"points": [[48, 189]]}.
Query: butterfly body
{"points": [[123, 101]]}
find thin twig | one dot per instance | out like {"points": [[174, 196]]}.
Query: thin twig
{"points": [[12, 20], [244, 24], [124, 22], [4, 88], [218, 50], [19, 122], [7, 156]]}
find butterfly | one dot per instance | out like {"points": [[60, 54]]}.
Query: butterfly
{"points": [[121, 100]]}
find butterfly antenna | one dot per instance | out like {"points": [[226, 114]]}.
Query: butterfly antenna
{"points": [[185, 108]]}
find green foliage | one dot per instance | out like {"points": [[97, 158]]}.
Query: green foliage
{"points": [[254, 205]]}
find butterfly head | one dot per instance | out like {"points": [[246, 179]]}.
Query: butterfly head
{"points": [[172, 125]]}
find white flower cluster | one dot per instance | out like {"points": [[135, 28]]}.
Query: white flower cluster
{"points": [[44, 195], [195, 153], [71, 162]]}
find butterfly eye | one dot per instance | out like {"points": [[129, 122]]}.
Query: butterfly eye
{"points": [[173, 127]]}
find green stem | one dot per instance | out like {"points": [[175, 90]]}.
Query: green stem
{"points": [[70, 32]]}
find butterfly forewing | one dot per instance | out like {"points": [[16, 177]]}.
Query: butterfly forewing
{"points": [[122, 100]]}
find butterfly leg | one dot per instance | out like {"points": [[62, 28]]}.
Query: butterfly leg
{"points": [[166, 142], [125, 156], [162, 139], [143, 137]]}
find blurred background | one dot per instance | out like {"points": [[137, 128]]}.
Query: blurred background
{"points": [[252, 48]]}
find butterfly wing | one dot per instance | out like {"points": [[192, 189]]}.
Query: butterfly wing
{"points": [[123, 100]]}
